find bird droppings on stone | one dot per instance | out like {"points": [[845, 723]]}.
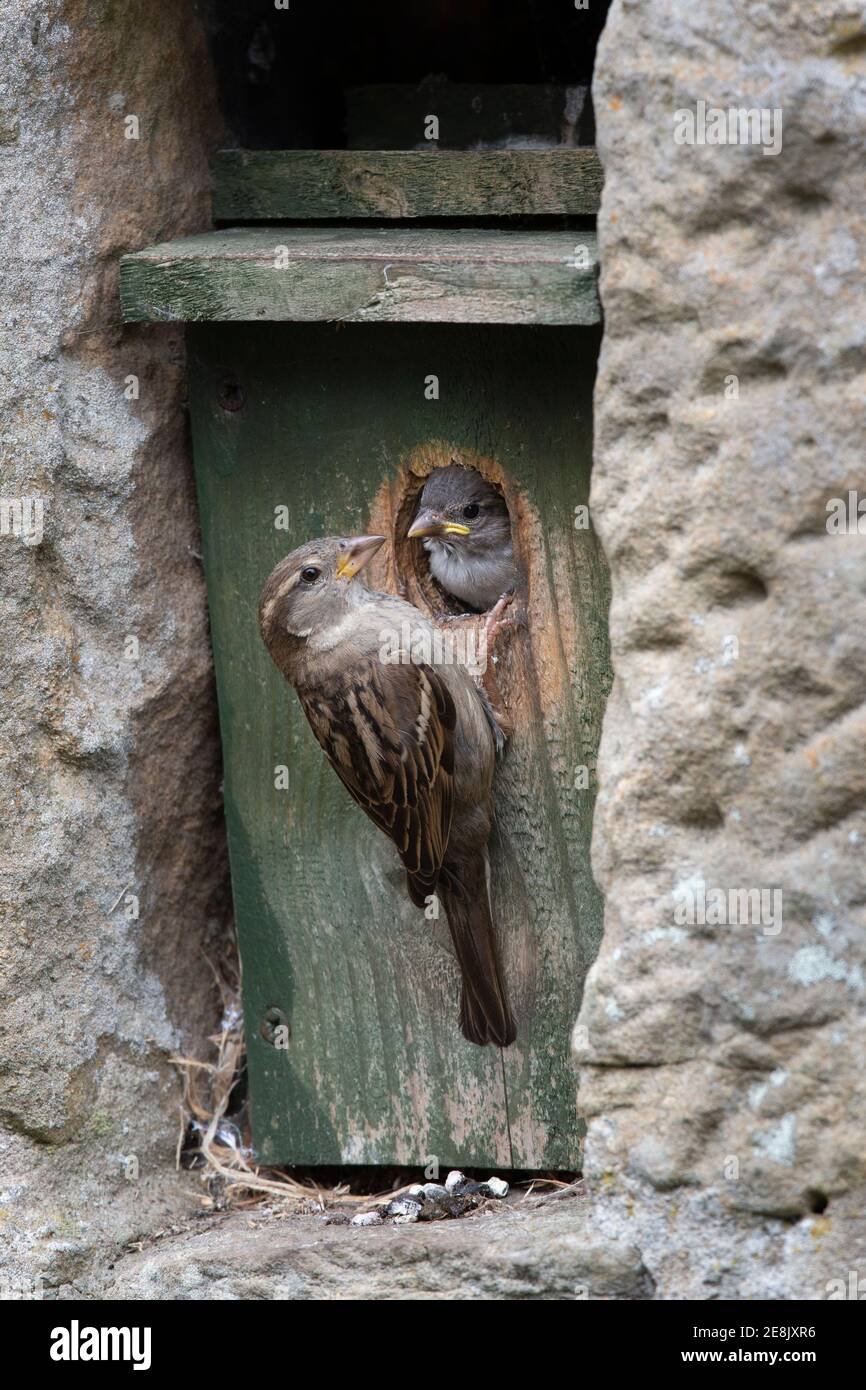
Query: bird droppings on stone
{"points": [[494, 1187], [450, 1205], [433, 1201], [406, 1208], [368, 1218], [433, 1191], [458, 1183]]}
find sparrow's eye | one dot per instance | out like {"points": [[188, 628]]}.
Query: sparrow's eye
{"points": [[310, 574], [471, 511]]}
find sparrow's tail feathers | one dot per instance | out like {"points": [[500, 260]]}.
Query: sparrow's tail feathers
{"points": [[485, 1016]]}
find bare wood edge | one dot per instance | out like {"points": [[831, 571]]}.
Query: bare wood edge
{"points": [[195, 279]]}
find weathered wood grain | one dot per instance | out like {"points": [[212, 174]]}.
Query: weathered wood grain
{"points": [[256, 185], [393, 115], [334, 424], [366, 276]]}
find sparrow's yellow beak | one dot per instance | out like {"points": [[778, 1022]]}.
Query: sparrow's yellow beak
{"points": [[355, 554], [430, 524]]}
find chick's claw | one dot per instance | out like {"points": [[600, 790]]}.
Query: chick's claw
{"points": [[495, 621]]}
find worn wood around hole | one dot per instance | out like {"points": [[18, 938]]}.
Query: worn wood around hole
{"points": [[334, 425], [254, 185], [398, 275]]}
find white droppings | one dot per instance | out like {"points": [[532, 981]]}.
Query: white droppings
{"points": [[368, 1218], [497, 1186]]}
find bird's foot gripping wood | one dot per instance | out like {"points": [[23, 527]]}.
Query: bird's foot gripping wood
{"points": [[476, 635], [495, 621]]}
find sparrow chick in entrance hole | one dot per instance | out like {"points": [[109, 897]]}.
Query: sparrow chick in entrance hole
{"points": [[413, 741], [465, 528]]}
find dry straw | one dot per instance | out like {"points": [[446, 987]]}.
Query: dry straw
{"points": [[219, 1143]]}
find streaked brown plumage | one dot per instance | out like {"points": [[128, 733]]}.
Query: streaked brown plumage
{"points": [[414, 742]]}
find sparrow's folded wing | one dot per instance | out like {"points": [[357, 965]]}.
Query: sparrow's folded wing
{"points": [[388, 732]]}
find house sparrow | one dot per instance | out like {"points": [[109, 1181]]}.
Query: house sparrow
{"points": [[465, 528], [413, 742]]}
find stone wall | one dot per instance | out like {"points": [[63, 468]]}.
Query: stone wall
{"points": [[722, 1065], [111, 760]]}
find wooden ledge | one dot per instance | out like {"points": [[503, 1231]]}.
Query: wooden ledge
{"points": [[263, 185], [365, 276]]}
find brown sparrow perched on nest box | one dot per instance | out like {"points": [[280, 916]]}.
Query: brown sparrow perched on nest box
{"points": [[413, 739]]}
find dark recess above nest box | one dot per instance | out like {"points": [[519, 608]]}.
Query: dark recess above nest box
{"points": [[283, 75]]}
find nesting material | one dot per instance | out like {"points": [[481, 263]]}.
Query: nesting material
{"points": [[208, 1088], [221, 1143]]}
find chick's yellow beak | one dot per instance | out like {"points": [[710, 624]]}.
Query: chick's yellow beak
{"points": [[431, 524], [355, 554]]}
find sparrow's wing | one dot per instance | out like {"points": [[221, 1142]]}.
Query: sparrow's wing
{"points": [[388, 732]]}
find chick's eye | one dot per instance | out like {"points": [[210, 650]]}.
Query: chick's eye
{"points": [[310, 574], [470, 511]]}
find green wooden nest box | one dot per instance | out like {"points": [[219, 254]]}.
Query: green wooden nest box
{"points": [[330, 368]]}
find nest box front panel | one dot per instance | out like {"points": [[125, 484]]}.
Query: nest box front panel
{"points": [[350, 993]]}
